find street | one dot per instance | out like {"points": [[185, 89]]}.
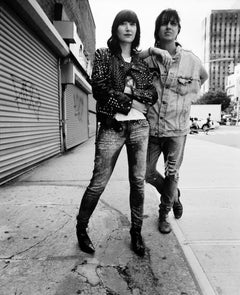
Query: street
{"points": [[226, 135]]}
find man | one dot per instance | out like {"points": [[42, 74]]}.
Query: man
{"points": [[177, 85], [209, 120]]}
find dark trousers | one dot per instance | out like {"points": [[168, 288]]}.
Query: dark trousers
{"points": [[173, 150]]}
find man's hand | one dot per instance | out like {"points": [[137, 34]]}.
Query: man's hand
{"points": [[163, 54]]}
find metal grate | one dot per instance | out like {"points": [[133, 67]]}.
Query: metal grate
{"points": [[29, 98]]}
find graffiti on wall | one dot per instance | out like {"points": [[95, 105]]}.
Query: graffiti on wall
{"points": [[78, 106], [26, 94]]}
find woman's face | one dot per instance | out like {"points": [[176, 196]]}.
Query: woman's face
{"points": [[126, 32]]}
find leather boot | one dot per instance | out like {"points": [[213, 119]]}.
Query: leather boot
{"points": [[84, 242], [178, 207], [163, 225], [137, 242]]}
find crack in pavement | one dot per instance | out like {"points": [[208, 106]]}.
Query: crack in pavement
{"points": [[39, 242]]}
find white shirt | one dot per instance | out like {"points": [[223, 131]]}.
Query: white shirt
{"points": [[133, 113]]}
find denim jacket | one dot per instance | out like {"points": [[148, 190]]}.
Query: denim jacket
{"points": [[177, 88], [108, 83]]}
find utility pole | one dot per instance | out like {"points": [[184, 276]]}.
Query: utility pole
{"points": [[237, 118], [237, 93]]}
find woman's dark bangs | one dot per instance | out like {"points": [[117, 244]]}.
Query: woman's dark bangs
{"points": [[128, 16]]}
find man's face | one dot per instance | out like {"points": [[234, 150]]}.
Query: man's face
{"points": [[168, 30]]}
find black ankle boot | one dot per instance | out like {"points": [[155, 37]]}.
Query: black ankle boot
{"points": [[84, 241], [178, 207], [137, 242], [163, 225]]}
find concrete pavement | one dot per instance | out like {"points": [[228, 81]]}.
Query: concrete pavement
{"points": [[38, 247], [209, 231]]}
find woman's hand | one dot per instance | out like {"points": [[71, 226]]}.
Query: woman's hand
{"points": [[141, 107], [164, 54]]}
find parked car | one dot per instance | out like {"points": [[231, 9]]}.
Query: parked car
{"points": [[234, 121], [226, 120]]}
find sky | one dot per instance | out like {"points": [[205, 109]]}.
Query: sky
{"points": [[191, 12]]}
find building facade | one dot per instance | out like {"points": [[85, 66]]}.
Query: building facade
{"points": [[46, 103], [233, 91], [233, 84], [221, 39]]}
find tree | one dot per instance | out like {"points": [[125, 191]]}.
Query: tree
{"points": [[215, 97], [231, 109]]}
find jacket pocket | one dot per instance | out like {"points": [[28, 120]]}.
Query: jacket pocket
{"points": [[188, 85], [184, 84]]}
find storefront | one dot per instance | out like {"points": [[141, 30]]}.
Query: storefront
{"points": [[76, 92], [46, 104], [29, 105], [76, 114]]}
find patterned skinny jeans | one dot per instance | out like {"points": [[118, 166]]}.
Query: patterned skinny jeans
{"points": [[109, 144]]}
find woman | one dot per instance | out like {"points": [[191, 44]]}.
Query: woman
{"points": [[122, 86]]}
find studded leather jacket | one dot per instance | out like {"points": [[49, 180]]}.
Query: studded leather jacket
{"points": [[108, 83]]}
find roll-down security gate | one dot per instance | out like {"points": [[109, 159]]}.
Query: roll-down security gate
{"points": [[29, 98], [76, 114]]}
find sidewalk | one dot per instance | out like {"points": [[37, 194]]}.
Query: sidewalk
{"points": [[38, 246], [209, 231]]}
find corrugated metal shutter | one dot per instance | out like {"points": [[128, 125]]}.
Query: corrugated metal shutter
{"points": [[29, 98], [76, 116], [92, 115]]}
